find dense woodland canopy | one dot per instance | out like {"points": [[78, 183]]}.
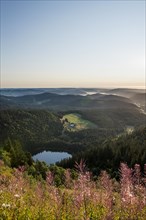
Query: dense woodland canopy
{"points": [[107, 155]]}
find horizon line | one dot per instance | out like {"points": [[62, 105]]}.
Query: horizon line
{"points": [[79, 87]]}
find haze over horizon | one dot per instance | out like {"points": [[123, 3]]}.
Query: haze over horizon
{"points": [[72, 44]]}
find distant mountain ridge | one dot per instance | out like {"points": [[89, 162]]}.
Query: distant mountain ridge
{"points": [[59, 91], [64, 102], [66, 91]]}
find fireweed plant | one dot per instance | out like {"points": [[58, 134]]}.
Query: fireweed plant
{"points": [[24, 197]]}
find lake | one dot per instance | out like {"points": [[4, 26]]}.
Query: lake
{"points": [[51, 157]]}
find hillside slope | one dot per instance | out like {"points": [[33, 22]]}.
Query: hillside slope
{"points": [[29, 126], [64, 102], [127, 148]]}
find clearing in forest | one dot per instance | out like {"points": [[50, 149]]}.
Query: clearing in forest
{"points": [[75, 122]]}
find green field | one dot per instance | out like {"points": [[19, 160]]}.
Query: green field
{"points": [[74, 122]]}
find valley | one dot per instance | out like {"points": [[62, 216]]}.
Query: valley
{"points": [[74, 121]]}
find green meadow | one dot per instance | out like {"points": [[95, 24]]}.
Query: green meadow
{"points": [[75, 122]]}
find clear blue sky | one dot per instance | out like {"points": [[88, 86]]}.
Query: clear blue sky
{"points": [[72, 43]]}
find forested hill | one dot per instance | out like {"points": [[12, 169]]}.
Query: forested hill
{"points": [[65, 102], [39, 130], [127, 148], [29, 126]]}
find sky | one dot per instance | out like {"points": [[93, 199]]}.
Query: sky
{"points": [[72, 43]]}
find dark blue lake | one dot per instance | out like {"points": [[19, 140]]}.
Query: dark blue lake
{"points": [[51, 157]]}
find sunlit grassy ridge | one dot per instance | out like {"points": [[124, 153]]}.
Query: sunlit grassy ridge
{"points": [[24, 197], [76, 122]]}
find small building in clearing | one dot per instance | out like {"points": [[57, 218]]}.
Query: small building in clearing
{"points": [[72, 125]]}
